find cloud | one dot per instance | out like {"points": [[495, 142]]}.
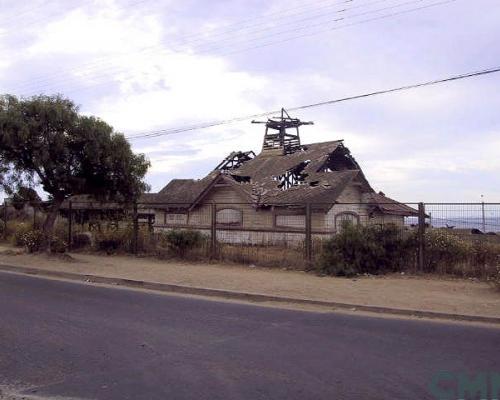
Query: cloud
{"points": [[458, 171], [6, 58], [173, 88], [107, 29]]}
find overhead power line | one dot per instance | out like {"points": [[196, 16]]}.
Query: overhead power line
{"points": [[201, 43], [251, 43], [172, 131], [360, 22], [174, 46]]}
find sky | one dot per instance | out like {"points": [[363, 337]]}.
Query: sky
{"points": [[145, 65]]}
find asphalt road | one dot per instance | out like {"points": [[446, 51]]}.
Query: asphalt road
{"points": [[87, 342]]}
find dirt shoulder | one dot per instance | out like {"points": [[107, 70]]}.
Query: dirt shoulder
{"points": [[455, 296]]}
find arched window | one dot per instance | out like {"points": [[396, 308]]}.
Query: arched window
{"points": [[229, 216], [346, 217]]}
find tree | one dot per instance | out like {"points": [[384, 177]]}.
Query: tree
{"points": [[45, 141], [25, 195]]}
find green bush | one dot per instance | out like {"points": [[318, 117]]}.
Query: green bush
{"points": [[367, 249], [180, 241]]}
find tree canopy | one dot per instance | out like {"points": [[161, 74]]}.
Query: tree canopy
{"points": [[45, 141]]}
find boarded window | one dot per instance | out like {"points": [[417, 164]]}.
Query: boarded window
{"points": [[229, 216], [175, 219], [345, 218], [291, 221]]}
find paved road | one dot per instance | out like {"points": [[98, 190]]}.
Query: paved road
{"points": [[81, 341]]}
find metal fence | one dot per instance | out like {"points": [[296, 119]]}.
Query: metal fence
{"points": [[289, 236]]}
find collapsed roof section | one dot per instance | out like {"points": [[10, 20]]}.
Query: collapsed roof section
{"points": [[315, 173]]}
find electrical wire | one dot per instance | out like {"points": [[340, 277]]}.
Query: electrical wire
{"points": [[171, 131], [266, 44], [96, 65]]}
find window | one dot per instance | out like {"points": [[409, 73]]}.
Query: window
{"points": [[175, 219], [229, 216], [292, 221], [344, 218]]}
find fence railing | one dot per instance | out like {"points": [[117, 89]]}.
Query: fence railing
{"points": [[289, 235]]}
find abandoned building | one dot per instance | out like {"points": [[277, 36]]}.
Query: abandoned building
{"points": [[262, 198]]}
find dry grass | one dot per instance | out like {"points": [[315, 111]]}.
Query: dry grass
{"points": [[265, 256]]}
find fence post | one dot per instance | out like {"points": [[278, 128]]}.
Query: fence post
{"points": [[308, 237], [136, 228], [70, 224], [213, 231], [5, 218], [421, 236]]}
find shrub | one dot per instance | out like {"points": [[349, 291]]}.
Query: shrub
{"points": [[495, 278], [110, 241], [127, 234], [18, 230], [180, 241], [444, 251], [58, 245], [81, 240], [3, 228], [109, 245], [366, 249], [484, 253], [61, 228], [34, 240]]}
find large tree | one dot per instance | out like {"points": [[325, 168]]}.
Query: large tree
{"points": [[45, 141]]}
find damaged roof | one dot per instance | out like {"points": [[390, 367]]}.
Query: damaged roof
{"points": [[389, 206], [182, 192], [260, 180], [317, 173], [266, 165]]}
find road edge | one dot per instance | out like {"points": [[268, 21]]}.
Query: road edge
{"points": [[244, 296]]}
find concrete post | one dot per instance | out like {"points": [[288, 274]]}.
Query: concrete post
{"points": [[70, 225], [421, 236], [136, 229], [5, 219], [213, 231], [308, 236]]}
